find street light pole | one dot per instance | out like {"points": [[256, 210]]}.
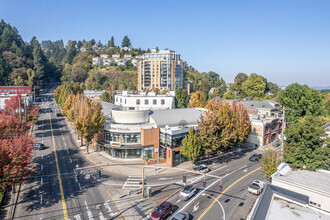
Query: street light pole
{"points": [[215, 199]]}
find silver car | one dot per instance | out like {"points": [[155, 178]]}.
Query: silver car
{"points": [[181, 216], [188, 192]]}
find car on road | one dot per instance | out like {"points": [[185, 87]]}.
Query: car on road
{"points": [[202, 168], [188, 192], [162, 211], [256, 187], [39, 146], [255, 157], [181, 216]]}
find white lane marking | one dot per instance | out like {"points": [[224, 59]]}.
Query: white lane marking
{"points": [[89, 213], [196, 207], [234, 171], [70, 160], [67, 150], [42, 141], [245, 170], [41, 199], [65, 144], [63, 137], [101, 216], [77, 217], [177, 202], [42, 180], [203, 191], [74, 170], [135, 176], [198, 178], [106, 205], [42, 157], [165, 178], [42, 167], [79, 186]]}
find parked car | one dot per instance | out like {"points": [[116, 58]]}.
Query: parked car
{"points": [[162, 211], [39, 146], [255, 157], [256, 187], [202, 168], [181, 216], [188, 192]]}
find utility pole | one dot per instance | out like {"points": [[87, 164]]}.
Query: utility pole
{"points": [[19, 109], [283, 128]]}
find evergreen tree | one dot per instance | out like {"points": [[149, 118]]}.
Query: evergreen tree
{"points": [[181, 98], [126, 42], [192, 146], [197, 100], [111, 42]]}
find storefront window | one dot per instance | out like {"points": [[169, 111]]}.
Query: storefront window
{"points": [[123, 137]]}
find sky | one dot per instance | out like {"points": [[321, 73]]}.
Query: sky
{"points": [[285, 41]]}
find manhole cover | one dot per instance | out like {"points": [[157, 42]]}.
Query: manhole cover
{"points": [[227, 200], [241, 204]]}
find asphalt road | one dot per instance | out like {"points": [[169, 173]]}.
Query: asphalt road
{"points": [[53, 193]]}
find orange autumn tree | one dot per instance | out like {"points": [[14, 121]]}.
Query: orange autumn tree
{"points": [[223, 125]]}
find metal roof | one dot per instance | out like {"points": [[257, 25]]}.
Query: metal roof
{"points": [[254, 105], [173, 117], [314, 180]]}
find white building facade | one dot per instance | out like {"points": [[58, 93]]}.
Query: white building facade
{"points": [[146, 101]]}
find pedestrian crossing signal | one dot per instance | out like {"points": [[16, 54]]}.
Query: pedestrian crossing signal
{"points": [[220, 187]]}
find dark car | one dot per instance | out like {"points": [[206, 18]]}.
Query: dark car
{"points": [[39, 146], [181, 216], [162, 211], [202, 168], [255, 157]]}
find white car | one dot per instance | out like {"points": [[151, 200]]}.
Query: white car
{"points": [[202, 169], [188, 192], [256, 187]]}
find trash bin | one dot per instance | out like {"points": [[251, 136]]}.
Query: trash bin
{"points": [[149, 191]]}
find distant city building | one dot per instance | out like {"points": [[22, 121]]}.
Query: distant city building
{"points": [[97, 61], [120, 61], [139, 57], [83, 49], [104, 56], [7, 92], [135, 62], [108, 61], [94, 94], [162, 70], [127, 56], [143, 101], [115, 56]]}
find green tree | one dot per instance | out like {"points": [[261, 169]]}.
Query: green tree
{"points": [[307, 144], [126, 42], [31, 74], [273, 88], [270, 162], [229, 95], [192, 146], [106, 96], [38, 60], [238, 81], [301, 100], [254, 86], [181, 98], [111, 42]]}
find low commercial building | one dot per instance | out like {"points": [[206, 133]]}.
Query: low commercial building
{"points": [[146, 101], [146, 133], [314, 184], [280, 203], [7, 92]]}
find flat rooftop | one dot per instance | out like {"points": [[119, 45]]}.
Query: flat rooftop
{"points": [[317, 180]]}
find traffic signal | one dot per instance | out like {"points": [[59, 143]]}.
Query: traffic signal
{"points": [[204, 184], [99, 173], [184, 179], [220, 187], [77, 177]]}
